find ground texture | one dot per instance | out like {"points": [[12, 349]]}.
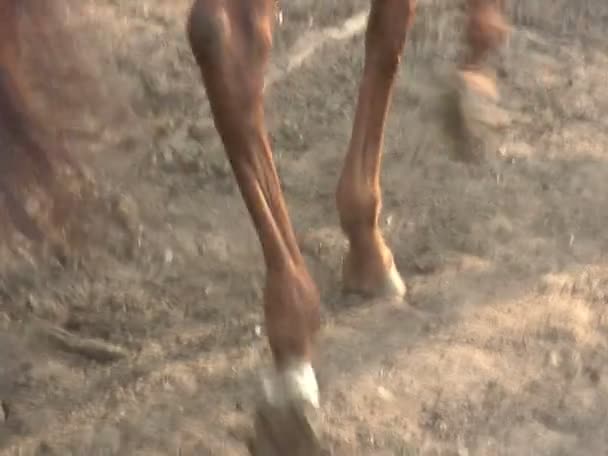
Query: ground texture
{"points": [[151, 342]]}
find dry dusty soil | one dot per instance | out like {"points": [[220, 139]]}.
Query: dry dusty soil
{"points": [[151, 342]]}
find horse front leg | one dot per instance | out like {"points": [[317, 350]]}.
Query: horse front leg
{"points": [[231, 41], [369, 267]]}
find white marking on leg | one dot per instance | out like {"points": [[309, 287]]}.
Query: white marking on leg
{"points": [[297, 383], [394, 284]]}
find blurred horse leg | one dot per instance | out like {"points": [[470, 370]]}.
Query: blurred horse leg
{"points": [[30, 156], [486, 31]]}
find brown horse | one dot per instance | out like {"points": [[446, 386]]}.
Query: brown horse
{"points": [[231, 40]]}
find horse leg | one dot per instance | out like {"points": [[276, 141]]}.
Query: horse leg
{"points": [[369, 266], [470, 108], [231, 41], [486, 31]]}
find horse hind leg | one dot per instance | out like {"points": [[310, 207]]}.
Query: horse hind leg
{"points": [[231, 42], [369, 268]]}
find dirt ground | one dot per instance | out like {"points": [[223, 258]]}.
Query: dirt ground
{"points": [[502, 346]]}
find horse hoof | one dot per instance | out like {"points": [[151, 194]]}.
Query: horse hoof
{"points": [[394, 288], [287, 429]]}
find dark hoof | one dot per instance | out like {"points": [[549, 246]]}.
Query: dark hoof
{"points": [[288, 430]]}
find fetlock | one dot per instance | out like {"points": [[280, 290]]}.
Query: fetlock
{"points": [[369, 268]]}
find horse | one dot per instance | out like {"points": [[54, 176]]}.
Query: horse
{"points": [[231, 41]]}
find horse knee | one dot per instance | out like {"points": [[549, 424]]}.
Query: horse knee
{"points": [[243, 28], [208, 29]]}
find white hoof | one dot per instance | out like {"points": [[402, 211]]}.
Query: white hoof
{"points": [[295, 384], [394, 286]]}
